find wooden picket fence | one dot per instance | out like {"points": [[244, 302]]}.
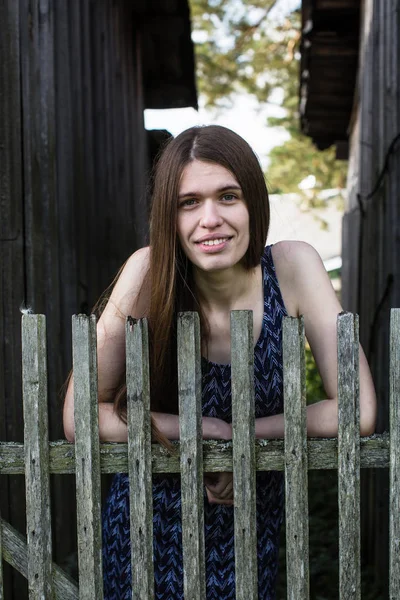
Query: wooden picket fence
{"points": [[37, 458]]}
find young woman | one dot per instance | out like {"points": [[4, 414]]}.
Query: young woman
{"points": [[208, 229]]}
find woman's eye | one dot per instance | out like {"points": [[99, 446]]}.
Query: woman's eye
{"points": [[229, 197], [187, 202]]}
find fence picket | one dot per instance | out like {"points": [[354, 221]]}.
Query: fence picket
{"points": [[36, 444], [394, 494], [296, 480], [190, 425], [1, 562], [348, 457], [139, 459], [244, 474], [87, 457]]}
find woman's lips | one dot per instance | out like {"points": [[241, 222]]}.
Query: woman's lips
{"points": [[213, 245]]}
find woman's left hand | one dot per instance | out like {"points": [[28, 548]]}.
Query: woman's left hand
{"points": [[219, 488]]}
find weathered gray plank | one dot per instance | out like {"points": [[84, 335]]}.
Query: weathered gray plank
{"points": [[38, 520], [294, 390], [87, 457], [244, 476], [394, 499], [139, 459], [349, 457], [191, 458], [15, 553], [1, 562], [217, 456]]}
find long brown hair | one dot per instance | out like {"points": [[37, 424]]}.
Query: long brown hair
{"points": [[170, 276]]}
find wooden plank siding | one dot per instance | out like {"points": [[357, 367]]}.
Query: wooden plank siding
{"points": [[295, 455], [12, 256], [371, 242]]}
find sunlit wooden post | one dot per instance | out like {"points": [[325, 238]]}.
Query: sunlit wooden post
{"points": [[394, 499], [190, 426], [244, 473], [87, 457], [139, 458], [296, 459], [36, 443], [349, 457]]}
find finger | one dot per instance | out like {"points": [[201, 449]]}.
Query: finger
{"points": [[220, 481], [223, 489], [214, 500], [222, 494]]}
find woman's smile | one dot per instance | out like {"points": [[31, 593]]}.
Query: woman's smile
{"points": [[213, 244]]}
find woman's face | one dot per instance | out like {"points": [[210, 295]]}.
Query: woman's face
{"points": [[213, 220]]}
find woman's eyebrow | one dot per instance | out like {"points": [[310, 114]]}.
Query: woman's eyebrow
{"points": [[224, 188]]}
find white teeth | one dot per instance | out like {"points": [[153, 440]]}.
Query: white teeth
{"points": [[214, 242]]}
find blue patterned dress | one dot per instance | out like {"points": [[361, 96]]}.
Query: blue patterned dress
{"points": [[219, 526]]}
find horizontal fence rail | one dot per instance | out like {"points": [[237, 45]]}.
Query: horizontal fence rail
{"points": [[244, 456]]}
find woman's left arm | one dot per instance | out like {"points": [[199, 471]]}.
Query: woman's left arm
{"points": [[307, 290]]}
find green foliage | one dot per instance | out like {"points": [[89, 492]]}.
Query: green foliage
{"points": [[295, 159], [315, 388], [242, 46], [237, 49]]}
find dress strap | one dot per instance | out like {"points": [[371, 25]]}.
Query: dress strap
{"points": [[272, 292]]}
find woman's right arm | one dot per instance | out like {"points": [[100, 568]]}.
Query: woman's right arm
{"points": [[126, 300]]}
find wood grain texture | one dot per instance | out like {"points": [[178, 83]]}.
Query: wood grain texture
{"points": [[87, 457], [191, 455], [139, 458], [374, 244], [394, 494], [36, 443], [244, 474], [294, 390], [349, 457], [1, 562], [15, 553], [217, 456], [12, 253]]}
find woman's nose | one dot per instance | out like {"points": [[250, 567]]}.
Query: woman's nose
{"points": [[211, 216]]}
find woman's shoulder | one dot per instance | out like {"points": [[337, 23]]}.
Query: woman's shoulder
{"points": [[300, 271], [129, 292], [140, 259], [293, 251], [290, 254], [135, 268]]}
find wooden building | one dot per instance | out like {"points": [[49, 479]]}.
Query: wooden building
{"points": [[75, 78], [350, 97]]}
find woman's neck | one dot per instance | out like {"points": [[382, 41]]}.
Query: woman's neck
{"points": [[227, 289]]}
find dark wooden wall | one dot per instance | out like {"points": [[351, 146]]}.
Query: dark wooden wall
{"points": [[73, 163], [371, 235]]}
